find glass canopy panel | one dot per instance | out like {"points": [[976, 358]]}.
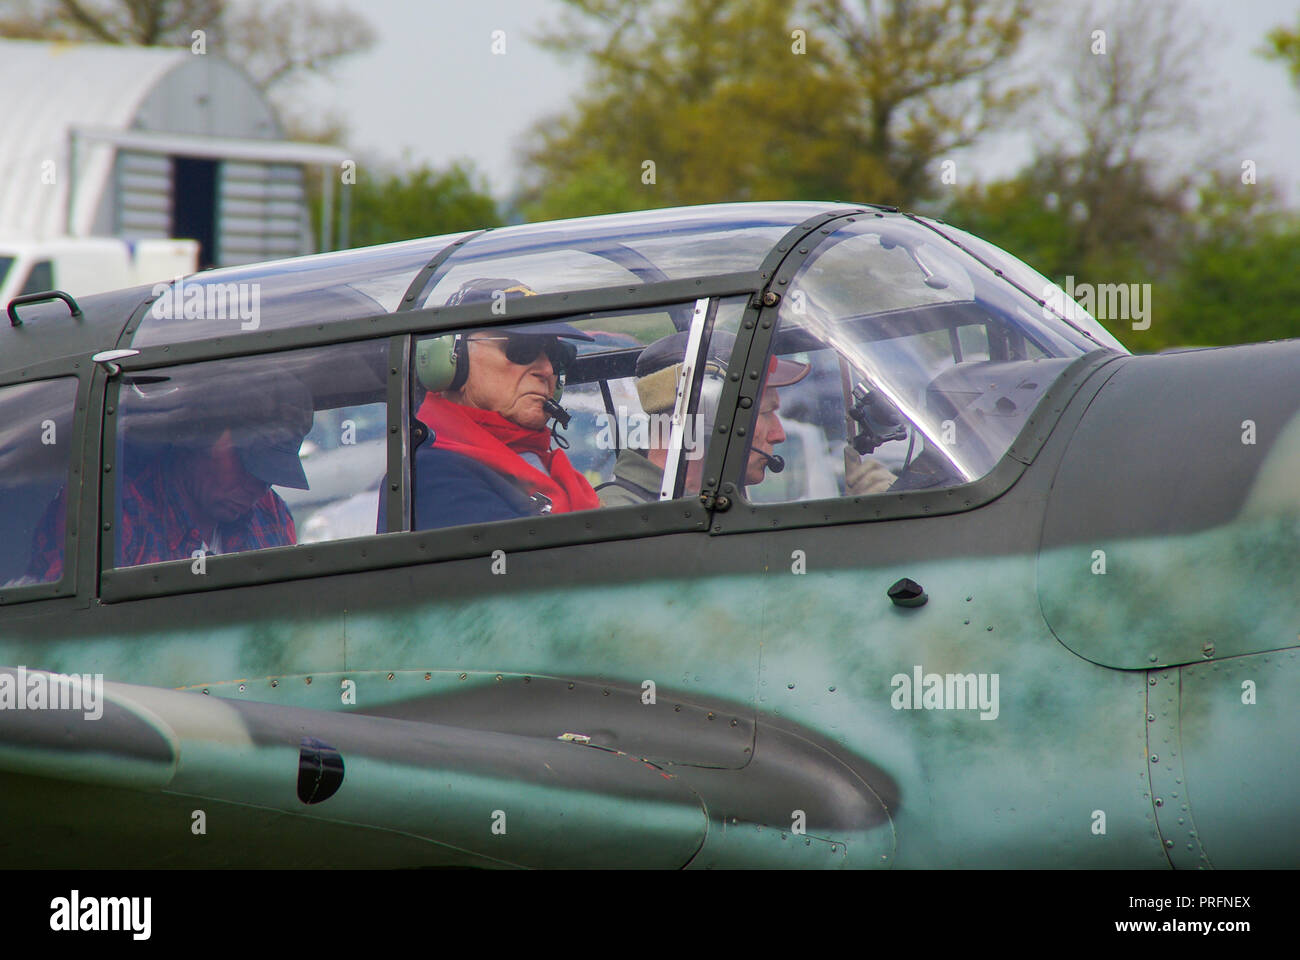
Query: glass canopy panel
{"points": [[922, 365], [289, 293], [644, 247], [1038, 285], [36, 430]]}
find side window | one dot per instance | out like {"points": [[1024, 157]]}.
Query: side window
{"points": [[344, 455], [561, 416], [36, 421], [40, 279], [242, 454], [899, 363]]}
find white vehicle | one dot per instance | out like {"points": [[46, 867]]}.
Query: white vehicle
{"points": [[82, 266]]}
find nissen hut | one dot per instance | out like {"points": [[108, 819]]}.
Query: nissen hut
{"points": [[141, 143]]}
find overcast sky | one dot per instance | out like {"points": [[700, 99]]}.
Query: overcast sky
{"points": [[432, 87]]}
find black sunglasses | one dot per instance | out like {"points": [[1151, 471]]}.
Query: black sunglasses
{"points": [[523, 349]]}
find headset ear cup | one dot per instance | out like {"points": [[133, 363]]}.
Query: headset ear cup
{"points": [[437, 364]]}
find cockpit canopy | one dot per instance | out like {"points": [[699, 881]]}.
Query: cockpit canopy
{"points": [[923, 357], [771, 353], [566, 255]]}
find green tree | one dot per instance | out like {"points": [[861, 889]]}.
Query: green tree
{"points": [[1241, 291], [1110, 196], [768, 99], [1232, 273], [1124, 137], [1064, 217], [277, 42], [390, 204], [594, 186], [1284, 44], [1238, 276]]}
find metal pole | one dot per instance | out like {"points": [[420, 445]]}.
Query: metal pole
{"points": [[326, 207], [72, 179], [345, 213], [685, 389]]}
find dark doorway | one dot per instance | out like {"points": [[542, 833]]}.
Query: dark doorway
{"points": [[194, 204]]}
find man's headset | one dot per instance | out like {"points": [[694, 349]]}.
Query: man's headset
{"points": [[442, 364]]}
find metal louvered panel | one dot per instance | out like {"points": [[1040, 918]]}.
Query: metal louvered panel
{"points": [[257, 209], [284, 247], [144, 192], [140, 225], [257, 185], [239, 229], [262, 210], [148, 203]]}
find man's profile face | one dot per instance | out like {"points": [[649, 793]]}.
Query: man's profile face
{"points": [[221, 485], [768, 432], [515, 391]]}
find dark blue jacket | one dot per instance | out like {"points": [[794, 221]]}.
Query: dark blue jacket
{"points": [[451, 490]]}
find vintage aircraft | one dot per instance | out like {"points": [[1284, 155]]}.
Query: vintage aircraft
{"points": [[929, 571]]}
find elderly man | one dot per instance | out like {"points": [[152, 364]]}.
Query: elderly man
{"points": [[488, 452], [208, 486], [639, 473]]}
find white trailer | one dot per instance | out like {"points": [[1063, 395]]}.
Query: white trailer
{"points": [[82, 266]]}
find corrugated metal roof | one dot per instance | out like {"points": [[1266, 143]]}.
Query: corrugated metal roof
{"points": [[52, 88], [228, 148]]}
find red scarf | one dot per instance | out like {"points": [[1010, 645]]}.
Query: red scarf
{"points": [[494, 441]]}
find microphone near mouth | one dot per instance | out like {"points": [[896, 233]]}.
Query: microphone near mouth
{"points": [[556, 412]]}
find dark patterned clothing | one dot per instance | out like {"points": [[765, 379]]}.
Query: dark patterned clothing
{"points": [[46, 563], [152, 526]]}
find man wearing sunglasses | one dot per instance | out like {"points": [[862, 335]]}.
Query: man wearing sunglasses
{"points": [[514, 374], [488, 452]]}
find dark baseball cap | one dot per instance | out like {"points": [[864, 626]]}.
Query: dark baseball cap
{"points": [[268, 424], [485, 289], [274, 460]]}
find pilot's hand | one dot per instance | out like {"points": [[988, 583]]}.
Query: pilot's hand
{"points": [[864, 475]]}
